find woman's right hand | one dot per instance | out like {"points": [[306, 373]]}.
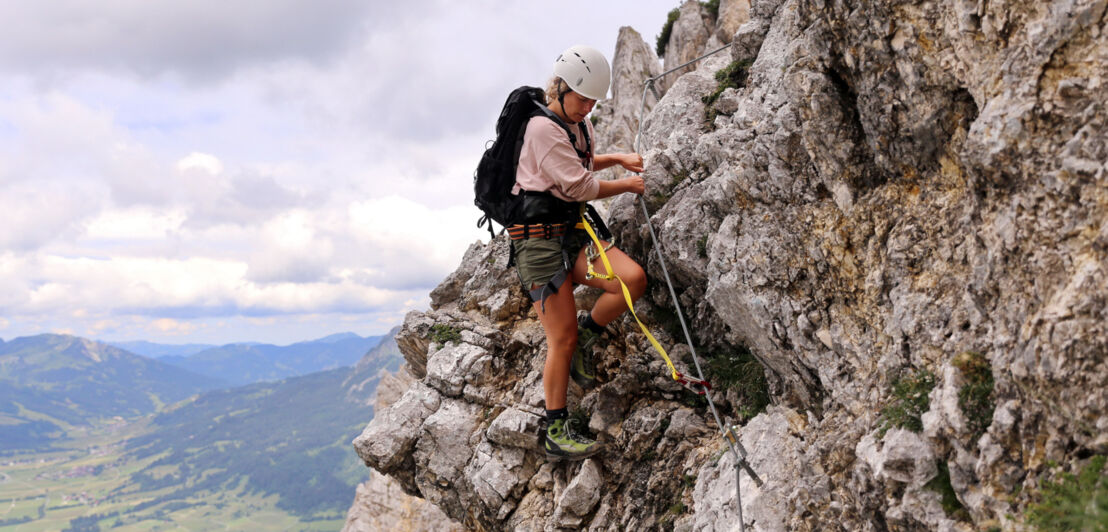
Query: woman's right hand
{"points": [[634, 184]]}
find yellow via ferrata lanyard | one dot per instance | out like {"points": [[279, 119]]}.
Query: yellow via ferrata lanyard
{"points": [[685, 381]]}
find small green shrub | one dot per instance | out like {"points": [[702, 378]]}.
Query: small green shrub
{"points": [[595, 120], [712, 7], [667, 28], [739, 370], [941, 485], [442, 333], [975, 397], [732, 76], [678, 508], [702, 247], [1073, 502], [909, 402], [679, 176], [689, 481]]}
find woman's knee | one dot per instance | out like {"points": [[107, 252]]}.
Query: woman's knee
{"points": [[635, 279], [562, 341]]}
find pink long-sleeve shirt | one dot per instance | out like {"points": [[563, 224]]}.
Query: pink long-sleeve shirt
{"points": [[548, 162]]}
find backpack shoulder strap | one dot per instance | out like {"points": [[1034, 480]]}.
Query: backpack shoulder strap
{"points": [[586, 156], [543, 110]]}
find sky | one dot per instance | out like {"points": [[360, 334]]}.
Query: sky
{"points": [[257, 170]]}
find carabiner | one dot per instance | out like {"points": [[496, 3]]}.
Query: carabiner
{"points": [[690, 384]]}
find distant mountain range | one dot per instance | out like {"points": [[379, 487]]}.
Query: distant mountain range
{"points": [[153, 350], [246, 363], [51, 382], [156, 350]]}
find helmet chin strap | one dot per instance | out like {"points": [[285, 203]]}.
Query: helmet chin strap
{"points": [[562, 104], [562, 101]]}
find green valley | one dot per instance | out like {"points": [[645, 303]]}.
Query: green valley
{"points": [[267, 456]]}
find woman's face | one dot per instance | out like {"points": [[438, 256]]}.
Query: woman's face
{"points": [[577, 107]]}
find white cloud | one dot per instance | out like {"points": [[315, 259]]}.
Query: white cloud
{"points": [[135, 223], [200, 161], [308, 164], [34, 214], [291, 250], [199, 38], [414, 244], [153, 286], [172, 327]]}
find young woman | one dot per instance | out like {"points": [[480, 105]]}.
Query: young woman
{"points": [[552, 253]]}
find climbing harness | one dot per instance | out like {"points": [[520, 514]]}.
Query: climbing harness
{"points": [[729, 434]]}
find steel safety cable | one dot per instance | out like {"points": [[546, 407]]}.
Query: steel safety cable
{"points": [[728, 434]]}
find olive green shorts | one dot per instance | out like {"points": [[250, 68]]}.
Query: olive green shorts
{"points": [[538, 260]]}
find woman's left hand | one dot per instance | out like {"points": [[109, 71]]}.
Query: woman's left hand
{"points": [[632, 162]]}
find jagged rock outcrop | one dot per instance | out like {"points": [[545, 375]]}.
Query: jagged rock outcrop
{"points": [[894, 188], [732, 15], [617, 119], [380, 503], [690, 33]]}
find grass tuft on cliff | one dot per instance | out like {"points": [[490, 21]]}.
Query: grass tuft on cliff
{"points": [[732, 76], [975, 397], [738, 370], [909, 402], [1073, 502], [442, 333]]}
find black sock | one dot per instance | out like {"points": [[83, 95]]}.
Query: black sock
{"points": [[592, 325], [555, 415]]}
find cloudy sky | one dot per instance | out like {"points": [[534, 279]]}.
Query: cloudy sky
{"points": [[267, 170]]}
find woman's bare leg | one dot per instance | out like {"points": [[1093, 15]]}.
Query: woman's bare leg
{"points": [[560, 323], [611, 303]]}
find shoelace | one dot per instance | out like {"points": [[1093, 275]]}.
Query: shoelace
{"points": [[573, 434]]}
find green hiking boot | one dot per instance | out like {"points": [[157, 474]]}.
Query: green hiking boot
{"points": [[582, 369], [561, 442]]}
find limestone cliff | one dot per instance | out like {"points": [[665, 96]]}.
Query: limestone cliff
{"points": [[380, 503], [894, 192]]}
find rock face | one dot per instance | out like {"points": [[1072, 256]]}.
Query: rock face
{"points": [[732, 15], [380, 503], [687, 40], [894, 185], [617, 119]]}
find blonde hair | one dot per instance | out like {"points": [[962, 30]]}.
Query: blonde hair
{"points": [[554, 88]]}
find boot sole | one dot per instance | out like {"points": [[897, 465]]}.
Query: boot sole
{"points": [[588, 385], [550, 457]]}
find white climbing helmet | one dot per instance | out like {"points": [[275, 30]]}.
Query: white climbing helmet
{"points": [[586, 71]]}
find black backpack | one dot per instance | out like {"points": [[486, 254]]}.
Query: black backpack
{"points": [[496, 173]]}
